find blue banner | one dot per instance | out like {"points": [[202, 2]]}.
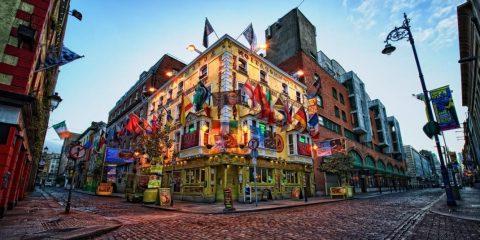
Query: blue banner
{"points": [[115, 156], [444, 107]]}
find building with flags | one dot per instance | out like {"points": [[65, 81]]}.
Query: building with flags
{"points": [[31, 50], [237, 96], [344, 109], [89, 168]]}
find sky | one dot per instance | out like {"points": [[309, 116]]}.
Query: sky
{"points": [[121, 39]]}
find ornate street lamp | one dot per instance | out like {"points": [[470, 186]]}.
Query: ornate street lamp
{"points": [[431, 129], [55, 100]]}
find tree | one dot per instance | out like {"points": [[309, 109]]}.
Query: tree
{"points": [[155, 144], [340, 165]]}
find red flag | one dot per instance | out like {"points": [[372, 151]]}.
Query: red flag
{"points": [[301, 117], [133, 124], [248, 89], [257, 95]]}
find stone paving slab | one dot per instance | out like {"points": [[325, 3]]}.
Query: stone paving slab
{"points": [[39, 216], [468, 207], [218, 208]]}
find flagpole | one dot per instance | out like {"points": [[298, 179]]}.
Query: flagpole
{"points": [[216, 34], [55, 65]]}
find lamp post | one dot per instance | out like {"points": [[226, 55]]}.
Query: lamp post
{"points": [[404, 32]]}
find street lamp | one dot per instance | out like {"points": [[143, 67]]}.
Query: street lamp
{"points": [[55, 100], [192, 48], [404, 32]]}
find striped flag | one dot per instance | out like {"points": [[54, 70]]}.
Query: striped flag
{"points": [[185, 108], [61, 129], [301, 117], [207, 31]]}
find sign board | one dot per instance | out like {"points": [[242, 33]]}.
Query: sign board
{"points": [[165, 197], [117, 156], [158, 168], [228, 199], [253, 144], [444, 107], [105, 189], [337, 191], [76, 152], [330, 147], [296, 193]]}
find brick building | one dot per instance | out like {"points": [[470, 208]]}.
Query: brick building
{"points": [[29, 30], [373, 138], [134, 101]]}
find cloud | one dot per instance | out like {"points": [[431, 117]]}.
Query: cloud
{"points": [[366, 13], [446, 31]]}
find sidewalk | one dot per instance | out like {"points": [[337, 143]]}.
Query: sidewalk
{"points": [[117, 195], [39, 216], [467, 208], [217, 208], [377, 194]]}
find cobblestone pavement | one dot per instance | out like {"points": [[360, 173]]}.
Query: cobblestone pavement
{"points": [[374, 218], [40, 216]]}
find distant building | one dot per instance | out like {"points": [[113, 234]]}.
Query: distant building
{"points": [[419, 168], [89, 167], [62, 166], [434, 164]]}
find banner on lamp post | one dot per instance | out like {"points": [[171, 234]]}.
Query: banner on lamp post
{"points": [[444, 107]]}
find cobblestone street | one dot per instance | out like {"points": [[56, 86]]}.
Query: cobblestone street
{"points": [[380, 217]]}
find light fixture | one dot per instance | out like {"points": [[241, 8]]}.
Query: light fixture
{"points": [[315, 147], [204, 127], [299, 73], [192, 48], [245, 128], [151, 89], [45, 149], [263, 46], [76, 14], [389, 48], [54, 101], [169, 73]]}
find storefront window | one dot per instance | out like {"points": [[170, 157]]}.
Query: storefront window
{"points": [[196, 175], [264, 175], [290, 176]]}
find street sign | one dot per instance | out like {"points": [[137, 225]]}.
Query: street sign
{"points": [[253, 144], [77, 152]]}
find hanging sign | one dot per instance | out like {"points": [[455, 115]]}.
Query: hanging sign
{"points": [[444, 107]]}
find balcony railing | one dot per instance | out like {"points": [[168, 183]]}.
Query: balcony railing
{"points": [[190, 140]]}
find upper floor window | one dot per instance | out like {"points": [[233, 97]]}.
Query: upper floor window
{"points": [[299, 97], [316, 81], [342, 100], [291, 148], [263, 76], [243, 95], [334, 93], [337, 112], [242, 65], [320, 101], [285, 88], [344, 116], [180, 88], [203, 72]]}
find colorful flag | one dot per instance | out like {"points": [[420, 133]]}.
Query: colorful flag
{"points": [[61, 129], [314, 127], [201, 95], [185, 108], [301, 117], [206, 32], [55, 59], [249, 34], [248, 89], [87, 145], [133, 125]]}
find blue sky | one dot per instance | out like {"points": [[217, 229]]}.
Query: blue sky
{"points": [[120, 39]]}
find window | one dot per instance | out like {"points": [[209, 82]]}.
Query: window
{"points": [[316, 81], [334, 93], [290, 176], [290, 144], [337, 112], [4, 132], [196, 175], [264, 175], [203, 73], [242, 65], [263, 76], [332, 126], [299, 97], [243, 95], [170, 94], [320, 101], [180, 88], [342, 100], [285, 88], [344, 116]]}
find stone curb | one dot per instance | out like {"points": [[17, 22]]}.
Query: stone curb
{"points": [[93, 194], [455, 216], [87, 232], [243, 210]]}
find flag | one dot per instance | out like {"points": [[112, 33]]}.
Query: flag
{"points": [[54, 59], [133, 125], [61, 129], [87, 145], [146, 126], [248, 89], [301, 117], [185, 108], [207, 31], [313, 120], [249, 34], [102, 140], [201, 95], [313, 123]]}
